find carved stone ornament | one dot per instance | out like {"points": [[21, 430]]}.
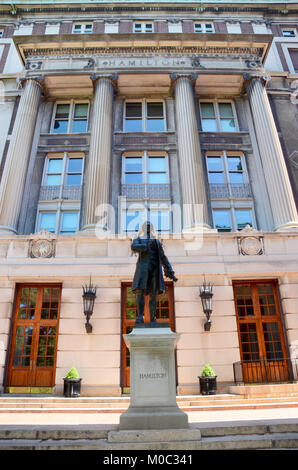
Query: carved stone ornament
{"points": [[248, 243], [42, 245]]}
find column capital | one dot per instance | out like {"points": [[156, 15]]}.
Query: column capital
{"points": [[112, 78], [39, 81], [262, 76], [178, 76]]}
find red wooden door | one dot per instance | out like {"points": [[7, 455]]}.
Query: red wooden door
{"points": [[260, 329], [32, 361]]}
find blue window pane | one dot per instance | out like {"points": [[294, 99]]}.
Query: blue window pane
{"points": [[133, 221], [214, 163], [209, 125], [79, 125], [48, 221], [236, 178], [157, 164], [160, 220], [133, 164], [216, 178], [133, 178], [227, 125], [55, 165], [234, 164], [75, 179], [69, 222], [53, 180], [133, 125], [155, 125], [243, 218], [157, 178], [222, 220], [60, 127], [75, 165]]}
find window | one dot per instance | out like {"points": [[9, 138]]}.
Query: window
{"points": [[148, 168], [1, 33], [227, 220], [82, 28], [71, 117], [134, 215], [203, 28], [230, 191], [145, 191], [218, 116], [63, 169], [143, 27], [289, 32], [144, 116], [64, 222]]}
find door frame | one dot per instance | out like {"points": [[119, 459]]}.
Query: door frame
{"points": [[9, 355], [172, 325]]}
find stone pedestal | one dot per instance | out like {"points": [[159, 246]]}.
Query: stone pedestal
{"points": [[152, 380]]}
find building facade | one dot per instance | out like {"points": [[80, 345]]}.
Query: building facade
{"points": [[114, 113]]}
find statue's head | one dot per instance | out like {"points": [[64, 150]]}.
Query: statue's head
{"points": [[147, 230]]}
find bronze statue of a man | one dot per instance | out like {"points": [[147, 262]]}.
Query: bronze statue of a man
{"points": [[148, 278]]}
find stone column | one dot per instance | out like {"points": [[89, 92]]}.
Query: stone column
{"points": [[15, 171], [278, 184], [193, 184], [99, 162]]}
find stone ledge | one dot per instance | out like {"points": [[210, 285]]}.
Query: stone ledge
{"points": [[167, 435]]}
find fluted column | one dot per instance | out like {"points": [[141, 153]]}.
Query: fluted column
{"points": [[15, 170], [276, 175], [193, 186], [99, 162]]}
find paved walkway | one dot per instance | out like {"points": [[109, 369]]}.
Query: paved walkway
{"points": [[200, 418]]}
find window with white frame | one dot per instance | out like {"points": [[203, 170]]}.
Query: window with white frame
{"points": [[63, 169], [82, 28], [200, 27], [134, 214], [230, 192], [143, 27], [58, 221], [1, 33], [218, 116], [70, 117], [144, 116], [289, 32], [232, 219], [145, 188]]}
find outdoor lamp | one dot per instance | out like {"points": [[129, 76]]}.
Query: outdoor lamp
{"points": [[206, 295], [89, 296]]}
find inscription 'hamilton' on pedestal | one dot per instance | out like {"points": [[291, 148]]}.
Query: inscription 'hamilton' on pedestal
{"points": [[153, 375]]}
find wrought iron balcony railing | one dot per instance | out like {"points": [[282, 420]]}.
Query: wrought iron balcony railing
{"points": [[230, 190], [146, 191], [49, 193]]}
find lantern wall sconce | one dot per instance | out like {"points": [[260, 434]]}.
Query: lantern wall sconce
{"points": [[89, 296], [206, 294]]}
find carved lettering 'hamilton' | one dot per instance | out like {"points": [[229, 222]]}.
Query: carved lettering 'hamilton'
{"points": [[153, 375]]}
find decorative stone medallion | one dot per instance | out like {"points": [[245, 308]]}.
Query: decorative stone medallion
{"points": [[248, 243], [42, 245]]}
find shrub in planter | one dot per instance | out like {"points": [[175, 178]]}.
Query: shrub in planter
{"points": [[208, 385], [72, 383]]}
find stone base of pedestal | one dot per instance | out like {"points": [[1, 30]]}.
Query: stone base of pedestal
{"points": [[152, 380], [165, 417]]}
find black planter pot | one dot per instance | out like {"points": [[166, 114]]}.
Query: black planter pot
{"points": [[72, 387], [208, 385]]}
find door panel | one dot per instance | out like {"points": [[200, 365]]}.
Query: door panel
{"points": [[260, 330], [34, 339], [164, 314]]}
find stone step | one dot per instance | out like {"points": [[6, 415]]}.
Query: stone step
{"points": [[272, 436]]}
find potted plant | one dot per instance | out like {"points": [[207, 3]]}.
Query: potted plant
{"points": [[208, 385], [72, 383]]}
